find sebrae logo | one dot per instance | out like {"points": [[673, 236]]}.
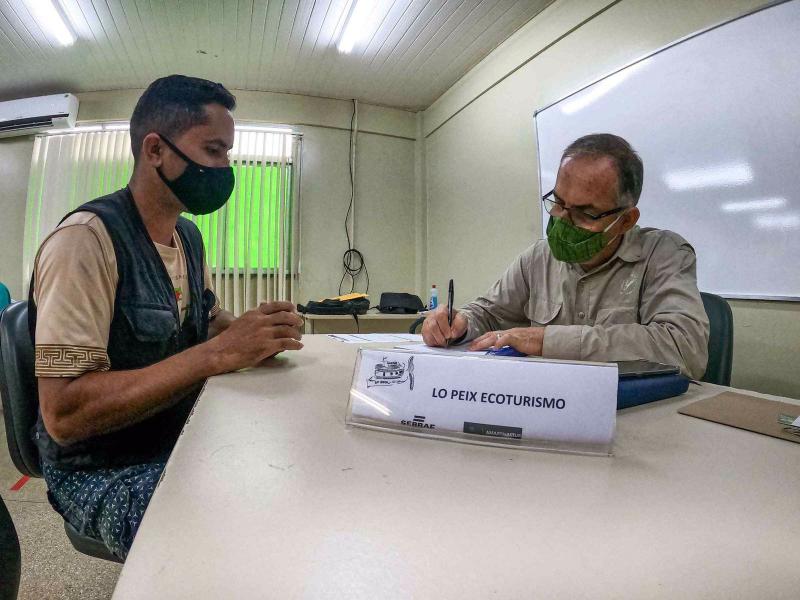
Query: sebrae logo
{"points": [[419, 421], [392, 372]]}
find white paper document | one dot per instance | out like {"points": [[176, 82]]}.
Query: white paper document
{"points": [[425, 349], [374, 338]]}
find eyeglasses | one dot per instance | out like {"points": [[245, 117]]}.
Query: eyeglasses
{"points": [[555, 207]]}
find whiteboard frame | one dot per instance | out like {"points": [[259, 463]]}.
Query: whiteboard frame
{"points": [[630, 64]]}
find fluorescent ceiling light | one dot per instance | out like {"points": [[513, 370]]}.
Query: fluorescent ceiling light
{"points": [[356, 24], [724, 175], [116, 126], [784, 221], [748, 205], [599, 89], [50, 20]]}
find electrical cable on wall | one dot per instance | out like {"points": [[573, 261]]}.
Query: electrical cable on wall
{"points": [[352, 261]]}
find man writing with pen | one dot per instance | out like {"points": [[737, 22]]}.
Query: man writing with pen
{"points": [[599, 287]]}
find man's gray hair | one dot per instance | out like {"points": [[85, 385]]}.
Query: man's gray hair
{"points": [[630, 171]]}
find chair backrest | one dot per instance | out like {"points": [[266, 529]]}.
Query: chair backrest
{"points": [[5, 296], [720, 341], [21, 407], [18, 388]]}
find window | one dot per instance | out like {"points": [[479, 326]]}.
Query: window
{"points": [[251, 243], [253, 238]]}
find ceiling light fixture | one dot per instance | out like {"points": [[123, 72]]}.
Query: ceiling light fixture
{"points": [[50, 21], [354, 29]]}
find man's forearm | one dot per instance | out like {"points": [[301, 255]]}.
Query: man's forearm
{"points": [[680, 342], [101, 402]]}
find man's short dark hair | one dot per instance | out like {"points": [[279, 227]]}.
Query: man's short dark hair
{"points": [[172, 105], [630, 171]]}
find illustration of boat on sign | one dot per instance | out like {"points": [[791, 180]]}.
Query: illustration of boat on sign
{"points": [[392, 372]]}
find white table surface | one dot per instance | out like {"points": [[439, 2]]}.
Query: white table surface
{"points": [[269, 495], [368, 317]]}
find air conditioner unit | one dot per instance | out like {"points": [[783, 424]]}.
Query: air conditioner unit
{"points": [[35, 115]]}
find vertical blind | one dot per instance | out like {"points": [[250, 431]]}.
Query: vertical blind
{"points": [[252, 243]]}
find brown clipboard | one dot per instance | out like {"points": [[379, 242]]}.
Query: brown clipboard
{"points": [[745, 412]]}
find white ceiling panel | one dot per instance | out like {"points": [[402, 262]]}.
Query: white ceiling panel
{"points": [[406, 54]]}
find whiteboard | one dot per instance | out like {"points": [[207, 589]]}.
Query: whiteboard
{"points": [[716, 120]]}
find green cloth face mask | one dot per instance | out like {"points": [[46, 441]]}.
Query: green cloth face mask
{"points": [[572, 244]]}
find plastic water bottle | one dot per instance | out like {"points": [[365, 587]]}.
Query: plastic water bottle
{"points": [[434, 298]]}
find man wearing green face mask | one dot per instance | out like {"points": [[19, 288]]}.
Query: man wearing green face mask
{"points": [[599, 287]]}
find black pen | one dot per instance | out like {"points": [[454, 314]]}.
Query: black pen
{"points": [[449, 307]]}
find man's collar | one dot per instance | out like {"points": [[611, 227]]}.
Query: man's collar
{"points": [[630, 250]]}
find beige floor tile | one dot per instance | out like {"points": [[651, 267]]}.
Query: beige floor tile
{"points": [[51, 567]]}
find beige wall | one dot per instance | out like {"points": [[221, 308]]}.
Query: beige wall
{"points": [[766, 346], [482, 189], [288, 109], [385, 209], [15, 161], [384, 230]]}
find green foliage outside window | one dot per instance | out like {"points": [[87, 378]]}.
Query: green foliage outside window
{"points": [[253, 207]]}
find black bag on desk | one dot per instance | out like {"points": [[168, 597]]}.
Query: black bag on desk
{"points": [[357, 306], [400, 303]]}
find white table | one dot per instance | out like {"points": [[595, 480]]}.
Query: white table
{"points": [[269, 495]]}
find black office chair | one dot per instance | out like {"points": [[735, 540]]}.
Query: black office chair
{"points": [[10, 562], [415, 324], [20, 398], [720, 341]]}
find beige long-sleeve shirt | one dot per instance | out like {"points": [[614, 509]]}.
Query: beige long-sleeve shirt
{"points": [[643, 303]]}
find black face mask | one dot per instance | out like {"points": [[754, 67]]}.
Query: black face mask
{"points": [[201, 189]]}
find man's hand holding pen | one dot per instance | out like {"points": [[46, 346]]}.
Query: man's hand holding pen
{"points": [[436, 331]]}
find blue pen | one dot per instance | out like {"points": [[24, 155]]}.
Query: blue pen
{"points": [[506, 351]]}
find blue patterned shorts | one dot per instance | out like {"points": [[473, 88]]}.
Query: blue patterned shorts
{"points": [[104, 504]]}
